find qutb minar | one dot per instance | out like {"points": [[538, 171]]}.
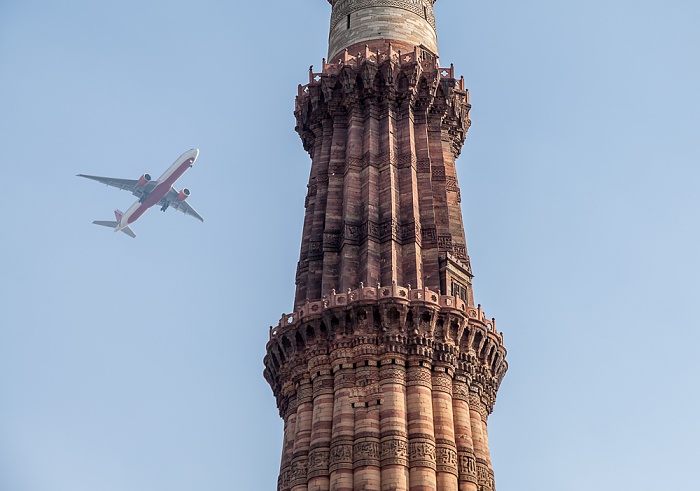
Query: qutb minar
{"points": [[386, 371]]}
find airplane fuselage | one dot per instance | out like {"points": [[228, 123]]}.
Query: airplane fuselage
{"points": [[163, 185]]}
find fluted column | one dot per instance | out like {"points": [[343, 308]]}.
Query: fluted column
{"points": [[481, 449], [463, 435], [390, 266], [350, 271], [437, 178], [343, 433], [321, 426], [281, 485], [421, 433], [430, 264], [310, 285], [334, 218], [446, 449], [409, 204], [302, 436], [366, 450], [371, 250], [290, 425], [490, 477], [392, 417]]}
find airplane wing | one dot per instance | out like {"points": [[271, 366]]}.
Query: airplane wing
{"points": [[185, 208], [170, 200], [131, 185]]}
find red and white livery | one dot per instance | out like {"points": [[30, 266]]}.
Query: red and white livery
{"points": [[149, 193]]}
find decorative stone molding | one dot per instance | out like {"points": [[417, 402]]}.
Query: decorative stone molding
{"points": [[284, 479], [319, 460], [419, 376], [442, 382], [394, 451], [367, 452], [392, 375], [340, 456], [421, 453], [484, 476], [467, 467], [297, 473], [446, 458]]}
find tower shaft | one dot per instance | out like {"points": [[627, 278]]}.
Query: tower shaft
{"points": [[404, 23], [386, 372]]}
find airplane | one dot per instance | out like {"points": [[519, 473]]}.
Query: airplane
{"points": [[150, 193]]}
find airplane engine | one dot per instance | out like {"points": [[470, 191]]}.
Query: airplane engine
{"points": [[144, 179], [182, 195]]}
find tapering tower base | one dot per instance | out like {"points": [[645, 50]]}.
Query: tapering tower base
{"points": [[385, 388]]}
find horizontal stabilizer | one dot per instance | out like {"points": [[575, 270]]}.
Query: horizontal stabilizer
{"points": [[107, 223], [112, 224]]}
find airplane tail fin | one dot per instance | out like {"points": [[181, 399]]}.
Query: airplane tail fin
{"points": [[112, 224], [118, 215]]}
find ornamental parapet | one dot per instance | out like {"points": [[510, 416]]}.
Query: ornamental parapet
{"points": [[412, 79], [360, 327], [392, 294], [420, 58]]}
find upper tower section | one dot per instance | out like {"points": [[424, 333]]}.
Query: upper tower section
{"points": [[376, 23]]}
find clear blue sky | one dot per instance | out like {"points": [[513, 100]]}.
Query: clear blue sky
{"points": [[136, 364]]}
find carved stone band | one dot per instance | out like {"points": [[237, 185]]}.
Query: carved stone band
{"points": [[485, 476], [367, 453], [305, 393], [283, 479], [340, 456], [395, 451], [446, 458], [392, 375], [467, 467], [318, 462], [297, 473], [460, 391], [422, 453], [323, 385], [419, 376], [442, 382]]}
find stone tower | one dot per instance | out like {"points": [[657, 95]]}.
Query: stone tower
{"points": [[386, 371]]}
